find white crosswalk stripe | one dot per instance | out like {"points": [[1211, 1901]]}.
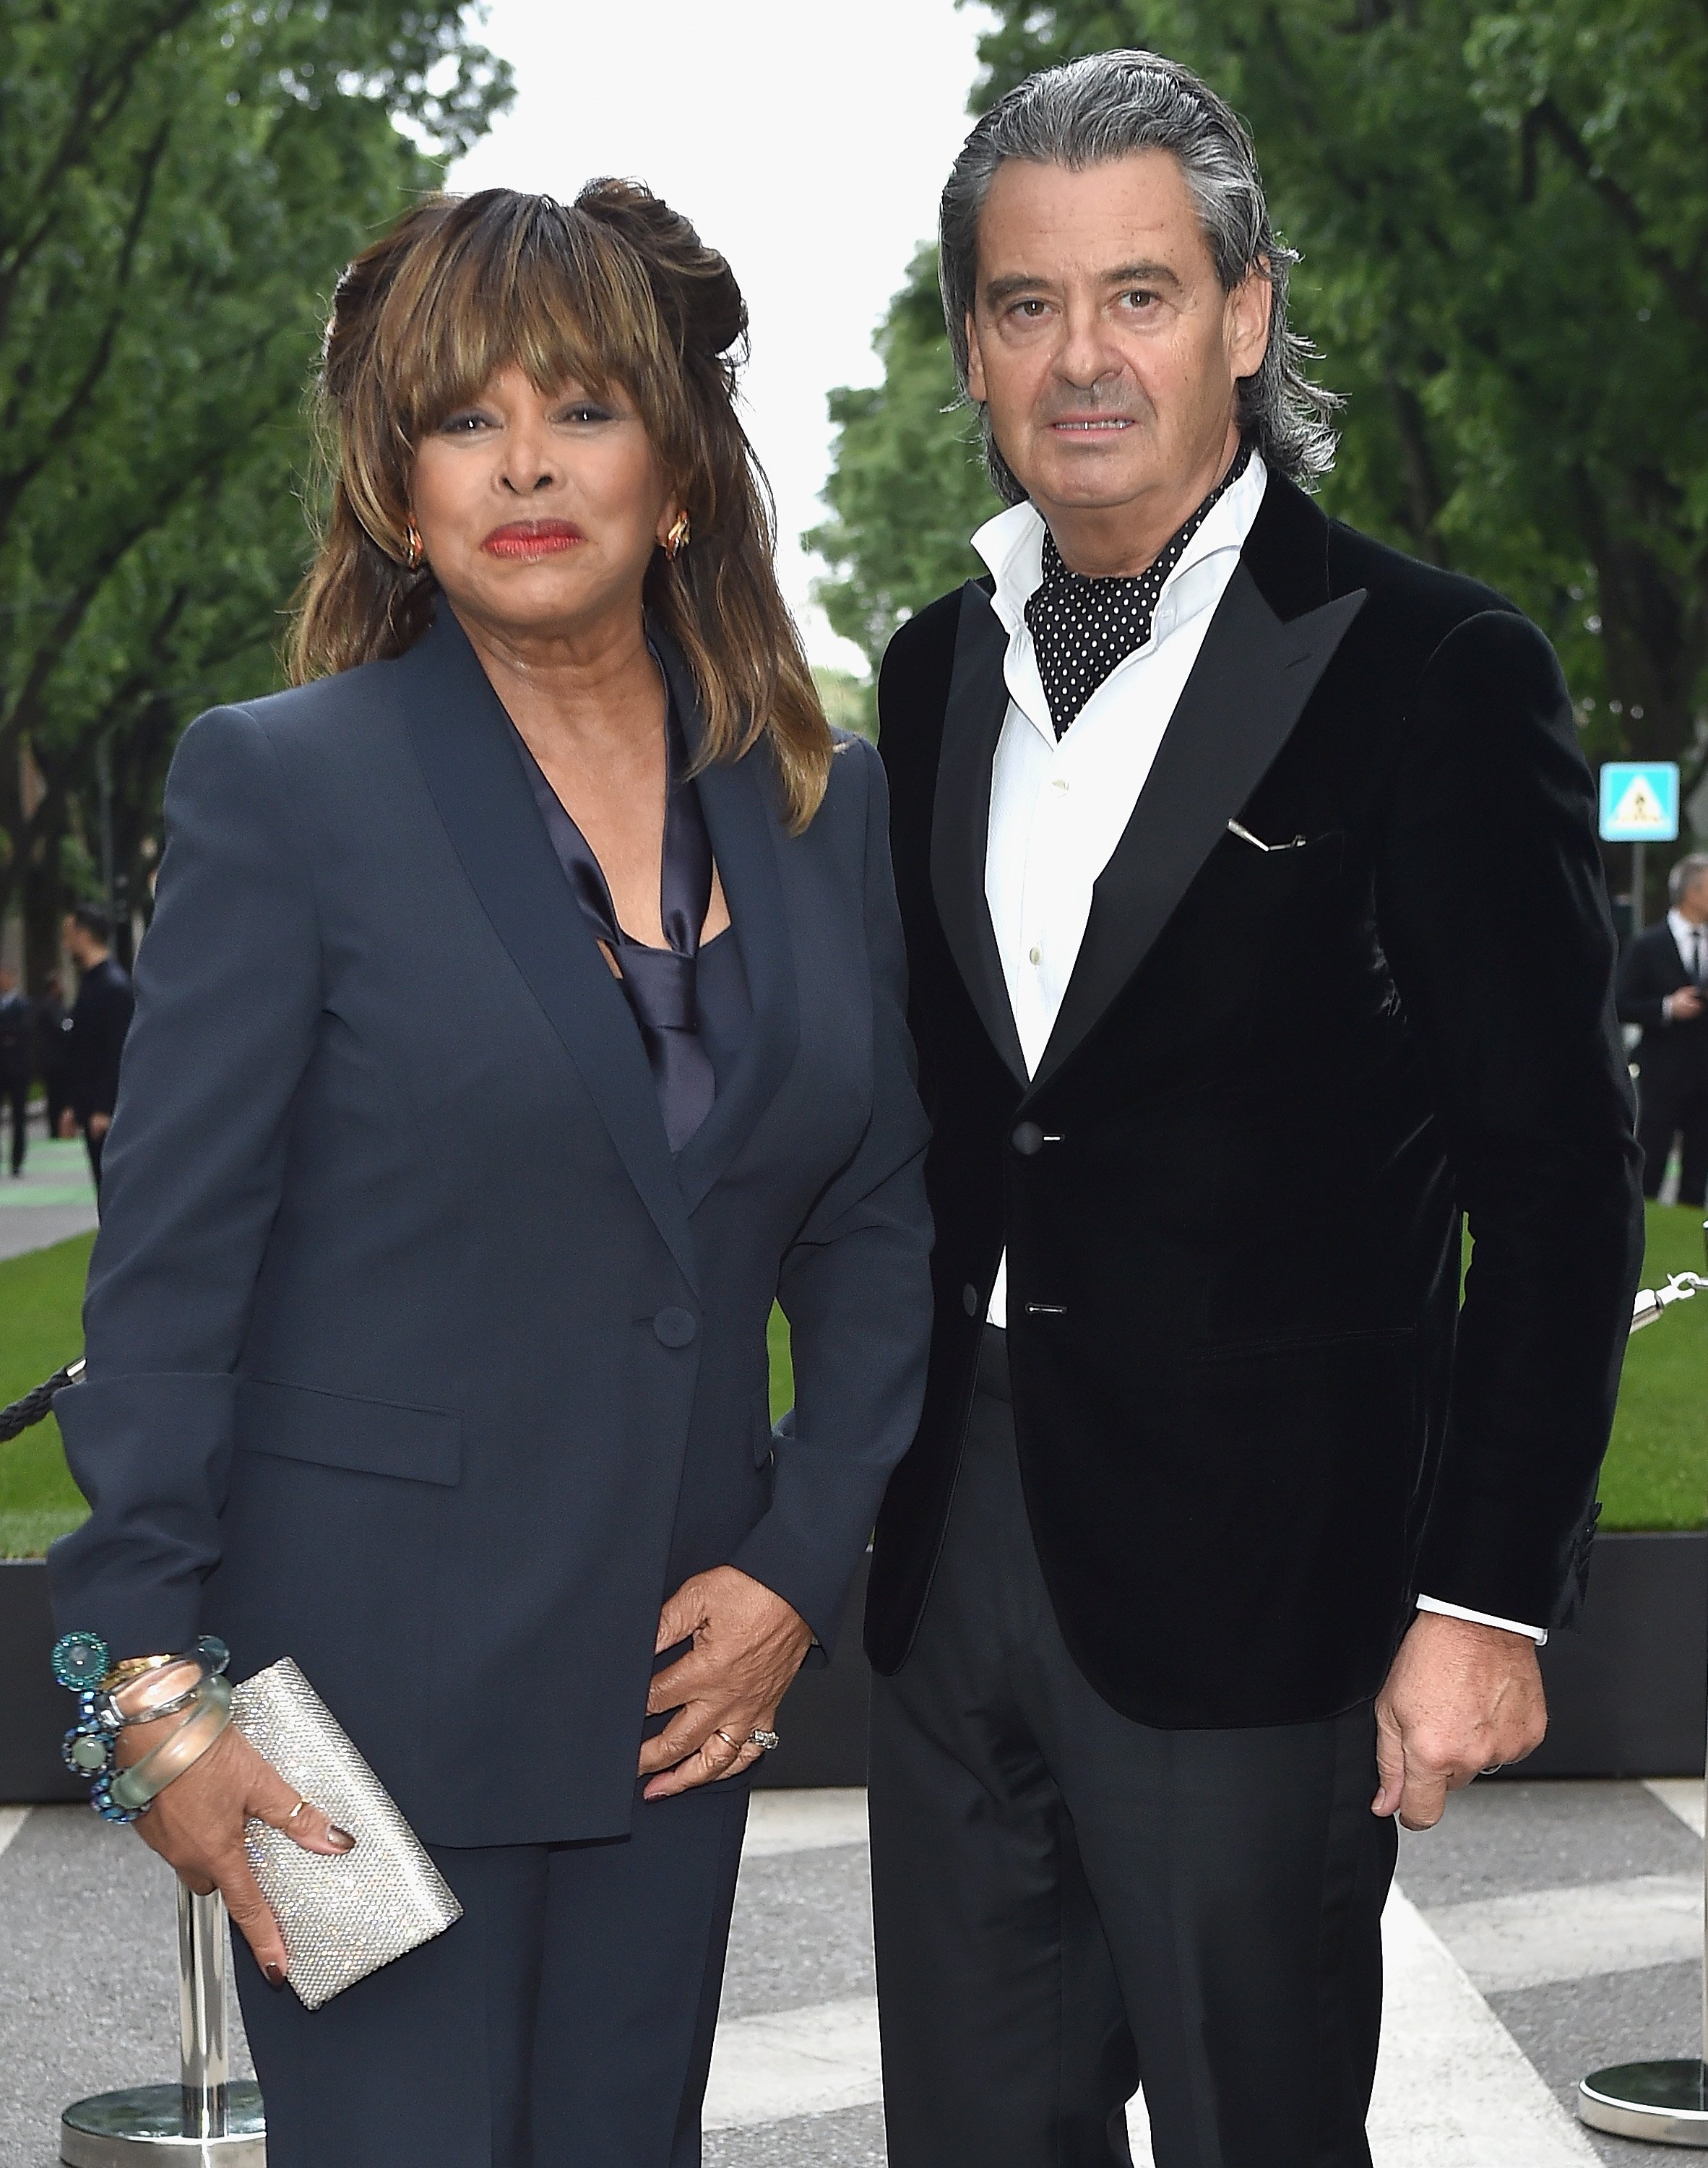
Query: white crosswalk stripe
{"points": [[1536, 1935], [11, 1819]]}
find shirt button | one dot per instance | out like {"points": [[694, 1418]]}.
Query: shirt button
{"points": [[1034, 955], [1058, 782]]}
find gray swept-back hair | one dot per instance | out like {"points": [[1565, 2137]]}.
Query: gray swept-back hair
{"points": [[1107, 106], [1682, 874]]}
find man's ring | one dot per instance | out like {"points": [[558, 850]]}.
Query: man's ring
{"points": [[766, 1741], [1493, 1769], [294, 1812]]}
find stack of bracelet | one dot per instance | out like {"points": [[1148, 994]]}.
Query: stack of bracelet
{"points": [[112, 1697]]}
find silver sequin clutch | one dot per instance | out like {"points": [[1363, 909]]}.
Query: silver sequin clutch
{"points": [[341, 1917]]}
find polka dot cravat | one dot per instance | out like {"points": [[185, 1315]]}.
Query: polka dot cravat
{"points": [[1082, 627]]}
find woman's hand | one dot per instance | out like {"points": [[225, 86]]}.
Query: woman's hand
{"points": [[196, 1825], [748, 1645]]}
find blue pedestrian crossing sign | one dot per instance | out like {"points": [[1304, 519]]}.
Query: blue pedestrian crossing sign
{"points": [[1639, 802]]}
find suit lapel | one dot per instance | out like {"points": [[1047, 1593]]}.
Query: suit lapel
{"points": [[1253, 676], [742, 820], [973, 720], [462, 740]]}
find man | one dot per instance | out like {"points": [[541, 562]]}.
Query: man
{"points": [[16, 1063], [96, 1027], [1216, 1550], [1661, 975], [53, 1052]]}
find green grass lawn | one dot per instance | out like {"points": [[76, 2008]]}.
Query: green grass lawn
{"points": [[1656, 1476], [40, 1295]]}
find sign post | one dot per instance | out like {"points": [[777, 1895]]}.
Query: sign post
{"points": [[1639, 805]]}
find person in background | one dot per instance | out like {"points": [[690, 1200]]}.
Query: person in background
{"points": [[53, 1053], [16, 1050], [1662, 976], [96, 1028]]}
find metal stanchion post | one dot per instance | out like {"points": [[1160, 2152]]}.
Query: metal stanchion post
{"points": [[1665, 2102], [205, 2119]]}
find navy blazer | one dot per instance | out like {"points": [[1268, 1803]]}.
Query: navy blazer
{"points": [[413, 1353]]}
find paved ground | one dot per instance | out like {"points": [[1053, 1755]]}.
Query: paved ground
{"points": [[52, 1201], [1544, 1930]]}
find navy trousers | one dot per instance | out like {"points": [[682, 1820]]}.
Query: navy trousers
{"points": [[564, 2021], [1067, 1902]]}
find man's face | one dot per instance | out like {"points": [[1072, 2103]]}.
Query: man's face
{"points": [[1101, 342], [8, 982], [76, 942], [1693, 900]]}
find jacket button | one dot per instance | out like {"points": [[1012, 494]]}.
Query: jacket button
{"points": [[1028, 1138], [969, 1300], [675, 1328]]}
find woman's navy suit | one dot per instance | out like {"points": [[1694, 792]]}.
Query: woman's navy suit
{"points": [[442, 1404]]}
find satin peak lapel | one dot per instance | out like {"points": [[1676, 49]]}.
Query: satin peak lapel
{"points": [[462, 741], [973, 720], [1247, 688]]}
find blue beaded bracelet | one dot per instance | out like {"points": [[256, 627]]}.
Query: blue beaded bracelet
{"points": [[82, 1662]]}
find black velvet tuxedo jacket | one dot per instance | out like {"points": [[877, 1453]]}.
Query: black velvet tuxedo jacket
{"points": [[1254, 1421], [413, 1353], [1649, 970]]}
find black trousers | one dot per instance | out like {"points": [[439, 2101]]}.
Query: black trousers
{"points": [[1067, 1902], [564, 2021], [94, 1146], [1669, 1103], [15, 1100]]}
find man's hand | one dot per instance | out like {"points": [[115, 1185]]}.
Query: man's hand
{"points": [[1683, 1007], [98, 1126], [1459, 1700], [67, 1125], [748, 1645]]}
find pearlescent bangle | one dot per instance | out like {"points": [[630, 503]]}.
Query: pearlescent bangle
{"points": [[111, 1697], [137, 1787]]}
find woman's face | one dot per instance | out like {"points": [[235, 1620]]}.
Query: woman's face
{"points": [[539, 512]]}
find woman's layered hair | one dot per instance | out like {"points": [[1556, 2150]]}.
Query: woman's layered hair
{"points": [[615, 290]]}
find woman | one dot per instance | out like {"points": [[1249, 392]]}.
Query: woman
{"points": [[522, 1014]]}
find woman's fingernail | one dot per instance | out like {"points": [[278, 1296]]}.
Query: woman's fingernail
{"points": [[273, 1974], [341, 1837]]}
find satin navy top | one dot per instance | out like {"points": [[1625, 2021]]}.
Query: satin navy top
{"points": [[692, 1004]]}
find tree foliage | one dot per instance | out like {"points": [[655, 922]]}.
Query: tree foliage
{"points": [[908, 484], [1503, 211], [180, 184]]}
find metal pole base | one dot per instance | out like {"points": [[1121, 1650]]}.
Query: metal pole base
{"points": [[148, 2123], [1667, 2103]]}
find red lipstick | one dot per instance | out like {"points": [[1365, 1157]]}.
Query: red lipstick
{"points": [[532, 538]]}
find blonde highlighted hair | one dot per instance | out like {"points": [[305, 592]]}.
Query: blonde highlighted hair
{"points": [[615, 289]]}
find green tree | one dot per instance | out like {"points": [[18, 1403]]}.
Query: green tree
{"points": [[908, 484], [180, 183]]}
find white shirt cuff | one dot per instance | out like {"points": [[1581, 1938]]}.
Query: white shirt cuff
{"points": [[1539, 1634]]}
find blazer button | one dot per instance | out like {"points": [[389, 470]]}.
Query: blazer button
{"points": [[1028, 1138], [675, 1328], [969, 1300]]}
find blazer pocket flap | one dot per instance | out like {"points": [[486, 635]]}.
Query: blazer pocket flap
{"points": [[335, 1429]]}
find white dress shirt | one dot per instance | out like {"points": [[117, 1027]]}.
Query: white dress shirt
{"points": [[1059, 807]]}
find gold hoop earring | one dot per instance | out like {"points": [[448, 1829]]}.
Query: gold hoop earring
{"points": [[677, 539], [414, 551]]}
